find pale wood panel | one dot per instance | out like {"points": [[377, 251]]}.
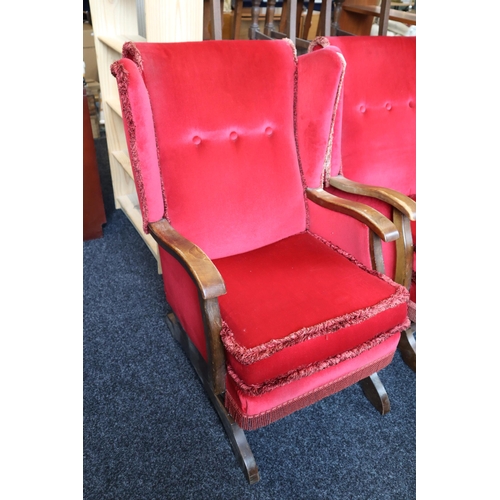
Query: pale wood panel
{"points": [[124, 160], [116, 42], [116, 22], [174, 20], [130, 205]]}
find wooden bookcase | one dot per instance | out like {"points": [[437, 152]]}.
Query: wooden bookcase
{"points": [[115, 22]]}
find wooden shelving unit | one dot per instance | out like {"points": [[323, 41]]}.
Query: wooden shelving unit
{"points": [[115, 22]]}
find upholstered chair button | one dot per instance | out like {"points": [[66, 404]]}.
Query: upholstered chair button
{"points": [[411, 104], [362, 109], [388, 106], [233, 136], [196, 140], [268, 131]]}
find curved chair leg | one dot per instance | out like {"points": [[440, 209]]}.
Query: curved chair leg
{"points": [[408, 347], [238, 441], [234, 432], [375, 391]]}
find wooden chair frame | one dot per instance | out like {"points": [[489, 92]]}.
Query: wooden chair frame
{"points": [[404, 210], [210, 286]]}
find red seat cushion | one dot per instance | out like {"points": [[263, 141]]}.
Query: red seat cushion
{"points": [[272, 292]]}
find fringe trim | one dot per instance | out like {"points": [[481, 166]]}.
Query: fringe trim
{"points": [[121, 75], [327, 164], [412, 311], [249, 355], [294, 49], [122, 78], [319, 40], [306, 370], [252, 422], [130, 51], [296, 134]]}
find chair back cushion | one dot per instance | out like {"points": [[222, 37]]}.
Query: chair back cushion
{"points": [[379, 111], [223, 116]]}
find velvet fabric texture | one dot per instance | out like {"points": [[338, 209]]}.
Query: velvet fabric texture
{"points": [[221, 157], [224, 137], [378, 127], [338, 306]]}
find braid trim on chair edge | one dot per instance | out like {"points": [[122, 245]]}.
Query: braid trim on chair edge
{"points": [[252, 422], [249, 355]]}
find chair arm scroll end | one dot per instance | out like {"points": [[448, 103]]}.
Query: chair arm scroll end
{"points": [[199, 266], [378, 223]]}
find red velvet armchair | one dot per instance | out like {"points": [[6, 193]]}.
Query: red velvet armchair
{"points": [[375, 155], [227, 154]]}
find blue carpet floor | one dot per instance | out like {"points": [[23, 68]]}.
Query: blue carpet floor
{"points": [[151, 433]]}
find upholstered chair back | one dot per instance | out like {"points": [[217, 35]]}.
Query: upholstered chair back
{"points": [[378, 112], [208, 149]]}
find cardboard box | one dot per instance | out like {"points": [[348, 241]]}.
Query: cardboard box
{"points": [[93, 92], [89, 54]]}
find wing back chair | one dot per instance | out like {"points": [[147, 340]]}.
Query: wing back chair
{"points": [[375, 161], [272, 316]]}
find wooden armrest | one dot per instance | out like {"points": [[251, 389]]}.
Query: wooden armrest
{"points": [[193, 259], [377, 222], [405, 205]]}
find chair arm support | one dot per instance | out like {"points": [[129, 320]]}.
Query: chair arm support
{"points": [[377, 222], [405, 205], [201, 269]]}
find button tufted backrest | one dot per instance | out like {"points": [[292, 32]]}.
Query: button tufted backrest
{"points": [[379, 111], [223, 116]]}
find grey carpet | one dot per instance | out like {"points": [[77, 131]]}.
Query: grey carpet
{"points": [[151, 433]]}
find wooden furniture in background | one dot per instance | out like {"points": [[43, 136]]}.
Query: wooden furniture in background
{"points": [[114, 24], [356, 16], [94, 215]]}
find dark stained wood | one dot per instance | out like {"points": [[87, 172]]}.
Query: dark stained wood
{"points": [[384, 17], [237, 13], [375, 392], [201, 269], [234, 432], [376, 255], [378, 223], [308, 21], [94, 215], [398, 200], [407, 346], [325, 18], [374, 11], [404, 249], [212, 323]]}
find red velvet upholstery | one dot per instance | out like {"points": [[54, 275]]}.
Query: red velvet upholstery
{"points": [[378, 127], [230, 138]]}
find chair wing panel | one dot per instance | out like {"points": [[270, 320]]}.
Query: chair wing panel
{"points": [[140, 134], [319, 112], [226, 140]]}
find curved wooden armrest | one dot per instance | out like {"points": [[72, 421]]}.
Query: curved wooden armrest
{"points": [[405, 205], [377, 222], [193, 259]]}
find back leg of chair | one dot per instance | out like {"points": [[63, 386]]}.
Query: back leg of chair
{"points": [[375, 392], [234, 432], [408, 347]]}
